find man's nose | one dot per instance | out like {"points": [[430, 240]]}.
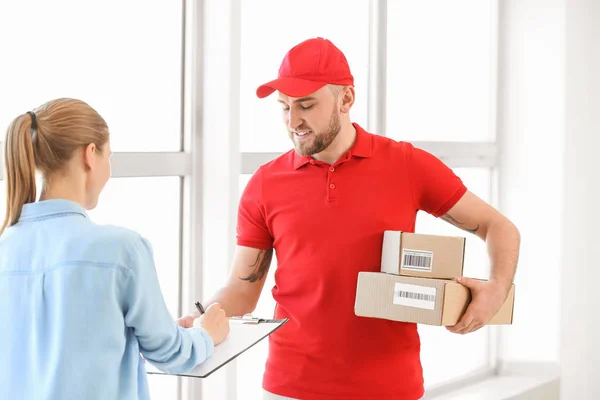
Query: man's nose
{"points": [[294, 120]]}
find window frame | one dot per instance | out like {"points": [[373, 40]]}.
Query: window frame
{"points": [[182, 164]]}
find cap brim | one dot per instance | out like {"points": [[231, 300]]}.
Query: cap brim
{"points": [[293, 87]]}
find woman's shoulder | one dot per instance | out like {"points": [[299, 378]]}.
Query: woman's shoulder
{"points": [[117, 245], [117, 238], [118, 234]]}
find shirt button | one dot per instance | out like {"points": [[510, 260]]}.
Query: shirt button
{"points": [[331, 169], [312, 161], [332, 186]]}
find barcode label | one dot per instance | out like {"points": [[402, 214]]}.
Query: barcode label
{"points": [[417, 260], [414, 296], [417, 296]]}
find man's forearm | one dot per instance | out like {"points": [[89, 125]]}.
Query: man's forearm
{"points": [[503, 243], [234, 302]]}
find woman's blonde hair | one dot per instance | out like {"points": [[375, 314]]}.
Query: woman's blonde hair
{"points": [[46, 139]]}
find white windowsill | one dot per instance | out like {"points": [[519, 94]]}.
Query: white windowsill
{"points": [[512, 382]]}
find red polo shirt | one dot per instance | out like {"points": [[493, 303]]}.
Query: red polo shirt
{"points": [[326, 224]]}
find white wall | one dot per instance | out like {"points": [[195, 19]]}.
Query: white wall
{"points": [[531, 131], [549, 118], [580, 355]]}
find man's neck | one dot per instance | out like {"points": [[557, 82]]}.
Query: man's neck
{"points": [[340, 145]]}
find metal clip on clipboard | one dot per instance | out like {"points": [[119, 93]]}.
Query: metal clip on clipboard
{"points": [[247, 319]]}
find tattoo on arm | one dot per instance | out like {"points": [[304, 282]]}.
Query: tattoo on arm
{"points": [[448, 218], [260, 267]]}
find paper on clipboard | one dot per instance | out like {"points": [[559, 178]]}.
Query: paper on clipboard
{"points": [[244, 333]]}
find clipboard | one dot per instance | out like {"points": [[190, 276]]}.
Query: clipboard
{"points": [[244, 333]]}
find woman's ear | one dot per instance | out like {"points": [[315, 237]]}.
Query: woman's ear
{"points": [[89, 155], [347, 99]]}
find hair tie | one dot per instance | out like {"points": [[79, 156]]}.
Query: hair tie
{"points": [[33, 120]]}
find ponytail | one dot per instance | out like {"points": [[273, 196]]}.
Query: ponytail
{"points": [[19, 167]]}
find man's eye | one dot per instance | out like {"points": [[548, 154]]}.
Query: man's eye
{"points": [[307, 107]]}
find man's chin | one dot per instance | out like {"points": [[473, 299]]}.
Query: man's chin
{"points": [[300, 152]]}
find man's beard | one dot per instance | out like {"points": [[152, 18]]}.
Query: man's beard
{"points": [[319, 141]]}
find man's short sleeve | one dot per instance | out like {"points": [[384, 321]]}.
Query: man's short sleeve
{"points": [[436, 188], [252, 230]]}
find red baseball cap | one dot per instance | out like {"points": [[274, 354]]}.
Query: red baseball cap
{"points": [[307, 67]]}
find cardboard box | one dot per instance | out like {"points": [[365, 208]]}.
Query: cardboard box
{"points": [[421, 300], [426, 256]]}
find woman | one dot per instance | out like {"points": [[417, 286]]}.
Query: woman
{"points": [[79, 301]]}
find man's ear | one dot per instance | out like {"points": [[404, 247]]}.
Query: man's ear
{"points": [[347, 99], [90, 153]]}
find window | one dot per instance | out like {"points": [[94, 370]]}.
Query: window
{"points": [[123, 58], [266, 35], [440, 70], [439, 87]]}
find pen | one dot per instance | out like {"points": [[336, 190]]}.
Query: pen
{"points": [[199, 307]]}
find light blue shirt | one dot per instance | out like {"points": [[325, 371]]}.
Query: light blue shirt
{"points": [[79, 302]]}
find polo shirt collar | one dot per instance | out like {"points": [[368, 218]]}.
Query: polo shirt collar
{"points": [[361, 148]]}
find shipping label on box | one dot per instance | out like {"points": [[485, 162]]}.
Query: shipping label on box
{"points": [[416, 260], [419, 255], [418, 296]]}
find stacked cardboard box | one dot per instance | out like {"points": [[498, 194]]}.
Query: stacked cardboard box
{"points": [[416, 282]]}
